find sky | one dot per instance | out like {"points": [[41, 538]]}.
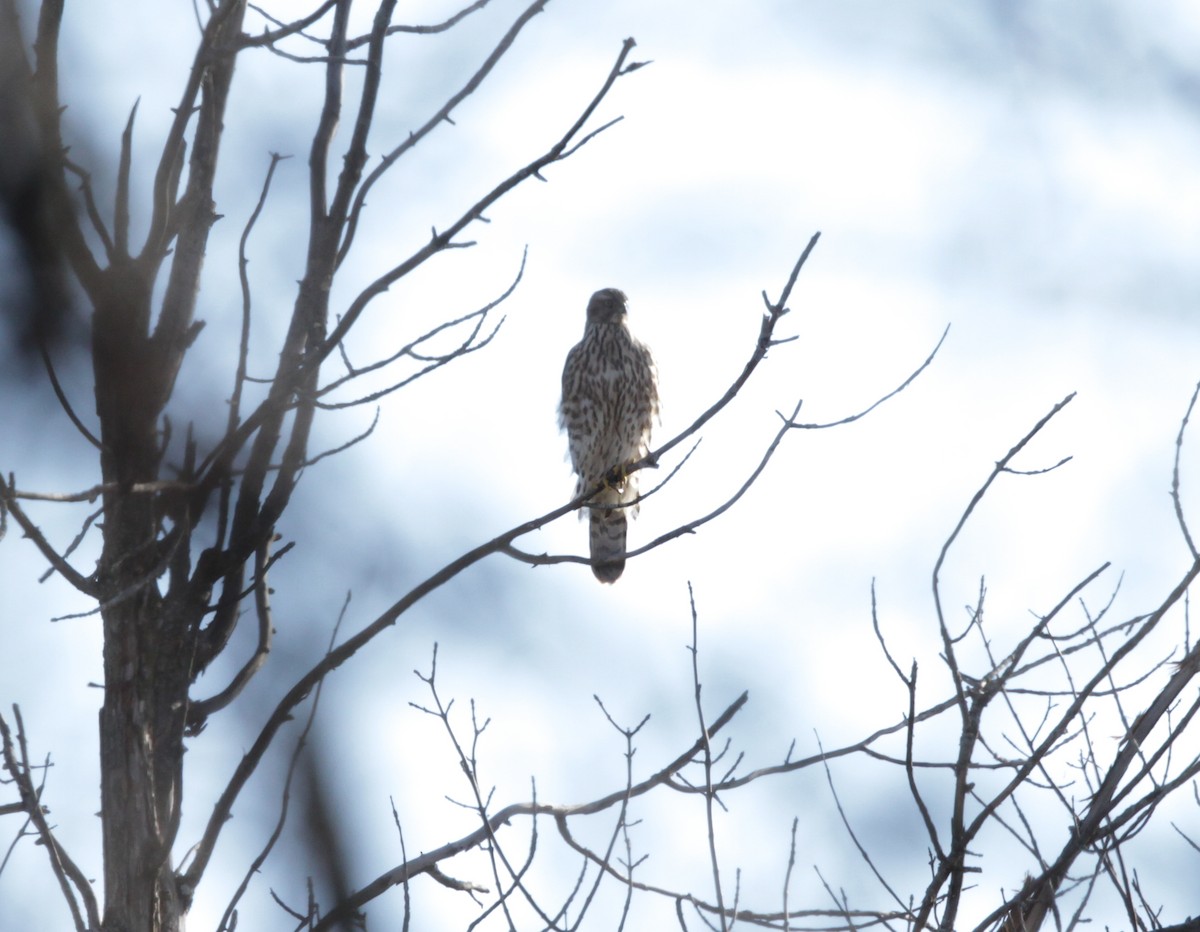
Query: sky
{"points": [[1022, 174]]}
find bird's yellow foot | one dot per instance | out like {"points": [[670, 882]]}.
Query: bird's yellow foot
{"points": [[617, 477]]}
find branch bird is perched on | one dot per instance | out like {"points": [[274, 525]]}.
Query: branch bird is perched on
{"points": [[609, 399]]}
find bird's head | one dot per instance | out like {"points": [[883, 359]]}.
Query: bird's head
{"points": [[608, 305]]}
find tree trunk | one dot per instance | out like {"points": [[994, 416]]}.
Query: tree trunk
{"points": [[150, 637], [147, 648]]}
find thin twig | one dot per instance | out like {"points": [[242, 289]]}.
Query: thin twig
{"points": [[239, 378], [90, 495], [269, 37], [421, 864], [121, 206], [707, 761], [850, 418], [442, 115], [468, 762], [61, 395], [1175, 475], [787, 874], [850, 831], [72, 546], [445, 24], [1000, 467], [704, 908], [84, 584], [66, 871], [286, 792], [909, 735], [442, 240], [199, 712]]}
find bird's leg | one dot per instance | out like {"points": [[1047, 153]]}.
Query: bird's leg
{"points": [[616, 478]]}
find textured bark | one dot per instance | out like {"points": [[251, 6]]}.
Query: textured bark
{"points": [[147, 649], [150, 638], [169, 604]]}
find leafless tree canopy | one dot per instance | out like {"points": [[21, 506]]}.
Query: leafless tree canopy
{"points": [[188, 532]]}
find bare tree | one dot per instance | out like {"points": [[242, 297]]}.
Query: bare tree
{"points": [[188, 531], [182, 554]]}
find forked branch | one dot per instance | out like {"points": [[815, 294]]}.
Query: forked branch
{"points": [[423, 863], [72, 882], [9, 504], [441, 240]]}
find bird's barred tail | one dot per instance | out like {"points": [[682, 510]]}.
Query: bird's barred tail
{"points": [[608, 543]]}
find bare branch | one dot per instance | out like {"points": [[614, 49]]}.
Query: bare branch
{"points": [[65, 870], [850, 830], [61, 395], [895, 391], [299, 362], [84, 584], [1175, 475], [975, 500], [155, 487], [730, 916], [341, 447], [765, 341], [89, 204], [198, 712], [789, 423], [1090, 826], [121, 208], [707, 761], [652, 458], [72, 546], [239, 378], [926, 818], [286, 792], [883, 644], [48, 113], [435, 28], [443, 115], [470, 344], [355, 157], [422, 863], [440, 241], [168, 172], [468, 762], [268, 37]]}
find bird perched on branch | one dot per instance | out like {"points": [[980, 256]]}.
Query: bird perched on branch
{"points": [[609, 399]]}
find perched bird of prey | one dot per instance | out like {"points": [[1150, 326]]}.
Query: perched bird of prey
{"points": [[609, 399]]}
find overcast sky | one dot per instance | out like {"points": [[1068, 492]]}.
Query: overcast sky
{"points": [[1024, 174]]}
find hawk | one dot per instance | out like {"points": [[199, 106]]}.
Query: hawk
{"points": [[609, 399]]}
